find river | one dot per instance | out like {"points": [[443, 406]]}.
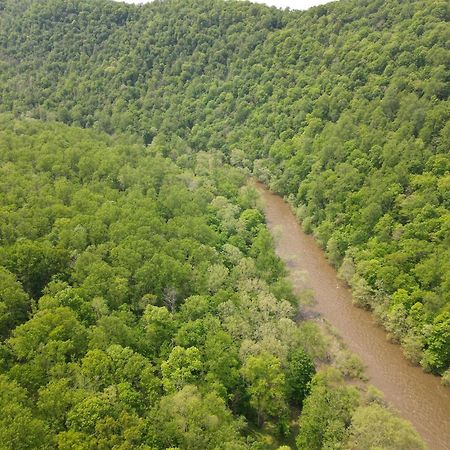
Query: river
{"points": [[419, 397]]}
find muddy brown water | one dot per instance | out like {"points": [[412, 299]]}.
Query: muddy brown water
{"points": [[419, 397]]}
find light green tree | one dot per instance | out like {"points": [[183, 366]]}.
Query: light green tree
{"points": [[265, 385], [183, 367], [188, 419], [374, 427]]}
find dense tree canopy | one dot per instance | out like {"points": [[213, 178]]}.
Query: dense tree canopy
{"points": [[149, 332], [141, 302], [343, 108], [121, 291]]}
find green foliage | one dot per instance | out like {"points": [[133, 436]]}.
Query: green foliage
{"points": [[300, 371], [34, 263], [266, 386], [143, 302], [374, 427], [18, 428], [140, 297], [14, 302], [327, 412], [181, 368], [188, 419], [343, 107], [437, 354]]}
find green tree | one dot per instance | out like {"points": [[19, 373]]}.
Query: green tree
{"points": [[299, 373], [265, 385], [14, 302], [18, 428], [183, 367], [374, 427], [34, 263], [55, 333], [437, 355], [188, 419], [327, 412]]}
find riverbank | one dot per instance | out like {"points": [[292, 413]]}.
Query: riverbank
{"points": [[419, 397]]}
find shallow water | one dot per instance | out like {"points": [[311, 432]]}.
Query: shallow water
{"points": [[419, 397]]}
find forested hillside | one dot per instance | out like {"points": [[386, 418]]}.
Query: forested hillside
{"points": [[343, 108], [142, 306], [141, 302]]}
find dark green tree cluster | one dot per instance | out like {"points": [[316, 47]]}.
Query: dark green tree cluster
{"points": [[343, 108]]}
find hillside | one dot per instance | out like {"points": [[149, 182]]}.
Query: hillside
{"points": [[343, 108], [142, 304], [123, 281]]}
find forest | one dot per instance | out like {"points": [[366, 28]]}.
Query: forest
{"points": [[142, 304]]}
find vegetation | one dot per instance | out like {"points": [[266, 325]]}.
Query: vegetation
{"points": [[141, 302], [123, 291], [343, 108]]}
